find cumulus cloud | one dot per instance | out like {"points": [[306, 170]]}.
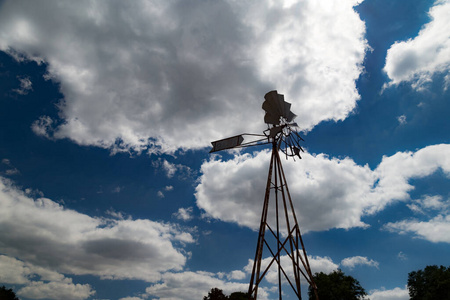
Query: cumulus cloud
{"points": [[36, 232], [139, 75], [417, 59], [51, 285], [193, 285], [434, 230], [13, 271], [236, 275], [394, 294], [352, 262], [327, 192], [56, 290]]}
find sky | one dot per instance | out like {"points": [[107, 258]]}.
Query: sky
{"points": [[108, 110]]}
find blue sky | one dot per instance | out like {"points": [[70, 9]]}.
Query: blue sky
{"points": [[108, 108]]}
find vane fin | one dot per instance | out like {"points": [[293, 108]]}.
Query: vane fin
{"points": [[227, 143]]}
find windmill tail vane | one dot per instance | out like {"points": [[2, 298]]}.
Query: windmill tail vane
{"points": [[280, 246]]}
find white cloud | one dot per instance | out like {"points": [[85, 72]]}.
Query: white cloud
{"points": [[178, 75], [401, 119], [171, 169], [56, 290], [236, 275], [184, 214], [117, 215], [193, 285], [168, 188], [430, 203], [12, 170], [395, 294], [434, 230], [402, 256], [25, 86], [352, 262], [417, 59], [43, 126], [117, 189], [35, 231], [56, 286], [13, 271], [330, 192], [6, 161], [327, 192]]}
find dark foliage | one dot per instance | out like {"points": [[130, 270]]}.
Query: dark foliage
{"points": [[337, 286], [217, 294], [431, 283], [238, 296], [7, 294]]}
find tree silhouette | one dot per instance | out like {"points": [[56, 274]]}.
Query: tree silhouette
{"points": [[337, 286], [7, 294], [431, 283], [238, 296], [215, 294]]}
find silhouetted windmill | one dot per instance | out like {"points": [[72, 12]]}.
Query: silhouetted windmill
{"points": [[280, 235]]}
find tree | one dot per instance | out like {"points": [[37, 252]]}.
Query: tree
{"points": [[215, 294], [431, 283], [238, 296], [336, 286], [7, 294]]}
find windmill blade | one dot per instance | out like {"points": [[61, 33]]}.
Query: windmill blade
{"points": [[272, 107], [271, 119], [290, 116], [286, 108]]}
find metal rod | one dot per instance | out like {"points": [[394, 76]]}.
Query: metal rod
{"points": [[259, 247]]}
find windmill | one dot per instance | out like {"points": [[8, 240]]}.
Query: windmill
{"points": [[279, 236]]}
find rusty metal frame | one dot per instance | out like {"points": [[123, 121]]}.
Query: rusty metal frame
{"points": [[276, 181]]}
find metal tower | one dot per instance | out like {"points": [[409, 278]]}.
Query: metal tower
{"points": [[279, 238]]}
